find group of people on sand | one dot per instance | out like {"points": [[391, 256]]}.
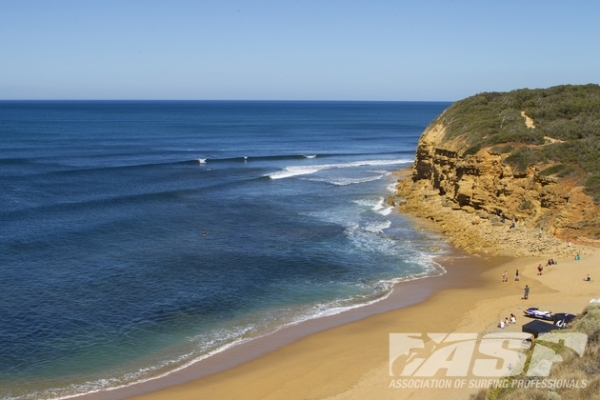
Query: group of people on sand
{"points": [[512, 319], [504, 322], [548, 263], [551, 261], [517, 278], [505, 276], [540, 270]]}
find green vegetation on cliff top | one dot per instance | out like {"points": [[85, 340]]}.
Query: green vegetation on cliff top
{"points": [[566, 137]]}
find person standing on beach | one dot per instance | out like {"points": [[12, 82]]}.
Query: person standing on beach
{"points": [[504, 277], [526, 294], [517, 275]]}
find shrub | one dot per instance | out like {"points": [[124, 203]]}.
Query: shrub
{"points": [[592, 187], [472, 150], [521, 159], [507, 148], [553, 170], [560, 170], [526, 205]]}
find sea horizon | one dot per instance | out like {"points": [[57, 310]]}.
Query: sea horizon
{"points": [[446, 102]]}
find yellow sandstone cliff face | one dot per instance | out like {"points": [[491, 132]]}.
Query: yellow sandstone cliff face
{"points": [[468, 195]]}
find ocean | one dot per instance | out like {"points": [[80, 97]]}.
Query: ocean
{"points": [[138, 237]]}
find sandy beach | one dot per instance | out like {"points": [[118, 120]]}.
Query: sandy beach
{"points": [[346, 357]]}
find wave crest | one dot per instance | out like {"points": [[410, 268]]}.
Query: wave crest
{"points": [[296, 170]]}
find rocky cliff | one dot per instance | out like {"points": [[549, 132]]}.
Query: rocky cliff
{"points": [[476, 197]]}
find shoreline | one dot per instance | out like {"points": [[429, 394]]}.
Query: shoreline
{"points": [[462, 270], [405, 293], [350, 361]]}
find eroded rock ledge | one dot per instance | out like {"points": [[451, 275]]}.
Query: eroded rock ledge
{"points": [[467, 197]]}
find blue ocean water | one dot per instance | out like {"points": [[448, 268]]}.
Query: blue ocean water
{"points": [[138, 237]]}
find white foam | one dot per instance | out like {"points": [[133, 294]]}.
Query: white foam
{"points": [[311, 156], [378, 206], [289, 172], [366, 203], [295, 170], [326, 310], [202, 160], [367, 240], [348, 181], [378, 227], [385, 173], [381, 208]]}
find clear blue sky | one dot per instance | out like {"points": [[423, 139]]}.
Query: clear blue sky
{"points": [[321, 50]]}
